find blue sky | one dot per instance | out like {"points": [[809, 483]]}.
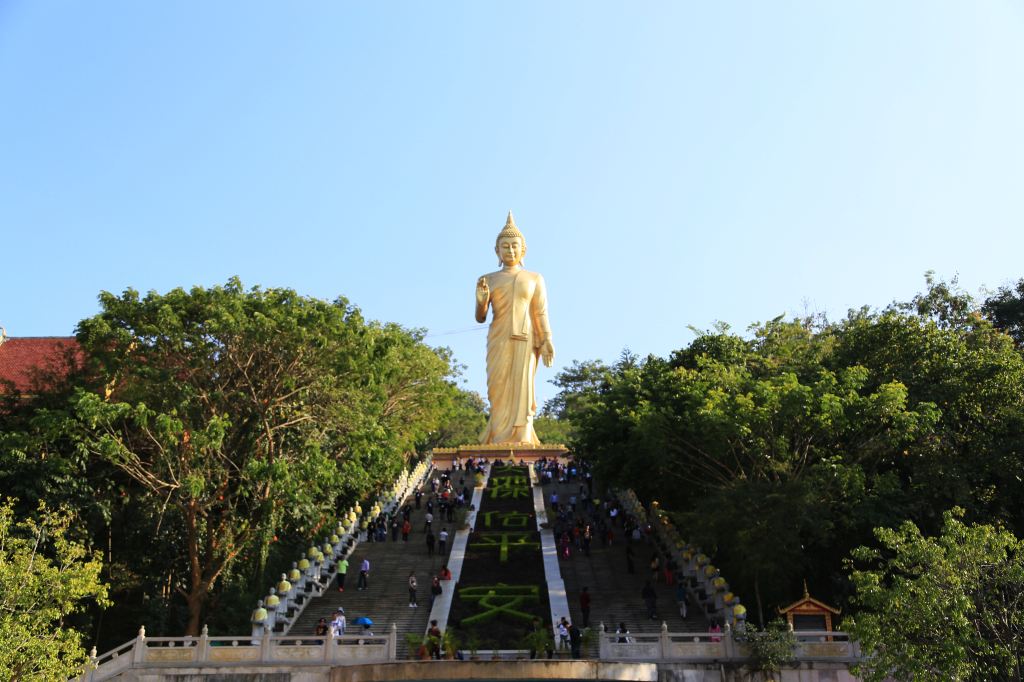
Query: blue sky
{"points": [[671, 164]]}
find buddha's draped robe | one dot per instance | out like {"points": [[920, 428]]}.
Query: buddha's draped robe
{"points": [[519, 326]]}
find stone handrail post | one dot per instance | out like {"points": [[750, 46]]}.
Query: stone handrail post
{"points": [[286, 603], [393, 643], [602, 643], [728, 641], [139, 651], [329, 645], [204, 644], [663, 641], [286, 600], [273, 620], [89, 671], [265, 646]]}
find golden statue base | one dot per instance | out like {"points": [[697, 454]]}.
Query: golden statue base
{"points": [[526, 452]]}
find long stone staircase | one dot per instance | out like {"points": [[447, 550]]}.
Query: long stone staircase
{"points": [[615, 593], [386, 599]]}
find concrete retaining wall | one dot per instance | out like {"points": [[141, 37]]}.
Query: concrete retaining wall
{"points": [[494, 670]]}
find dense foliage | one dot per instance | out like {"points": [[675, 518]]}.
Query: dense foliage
{"points": [[209, 423], [44, 577], [949, 607], [782, 451]]}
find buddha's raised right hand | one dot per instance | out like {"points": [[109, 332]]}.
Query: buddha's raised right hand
{"points": [[483, 292]]}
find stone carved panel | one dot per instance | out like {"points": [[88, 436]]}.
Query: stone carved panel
{"points": [[234, 654], [641, 650], [297, 653], [824, 649], [170, 655], [695, 650]]}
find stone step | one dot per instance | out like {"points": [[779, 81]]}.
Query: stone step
{"points": [[386, 599], [615, 593]]}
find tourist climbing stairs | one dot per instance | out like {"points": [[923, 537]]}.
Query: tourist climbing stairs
{"points": [[615, 593], [386, 598]]}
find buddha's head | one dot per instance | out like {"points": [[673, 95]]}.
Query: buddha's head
{"points": [[510, 244]]}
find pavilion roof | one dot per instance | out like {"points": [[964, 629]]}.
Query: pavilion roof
{"points": [[807, 603]]}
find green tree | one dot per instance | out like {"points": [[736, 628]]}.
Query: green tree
{"points": [[974, 376], [946, 607], [462, 423], [943, 303], [781, 452], [551, 430], [44, 577], [1005, 309], [771, 649], [242, 414], [577, 385]]}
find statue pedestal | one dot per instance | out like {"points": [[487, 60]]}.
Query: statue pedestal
{"points": [[444, 457]]}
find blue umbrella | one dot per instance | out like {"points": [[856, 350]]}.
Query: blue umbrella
{"points": [[363, 620]]}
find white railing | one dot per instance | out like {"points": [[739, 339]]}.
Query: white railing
{"points": [[323, 567], [719, 603], [267, 650], [271, 650], [113, 662], [719, 646]]}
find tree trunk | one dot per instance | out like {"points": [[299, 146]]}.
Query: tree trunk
{"points": [[757, 595], [197, 589], [195, 601], [263, 554]]}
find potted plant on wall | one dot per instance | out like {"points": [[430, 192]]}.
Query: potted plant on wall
{"points": [[449, 644], [538, 642], [418, 647], [473, 644]]}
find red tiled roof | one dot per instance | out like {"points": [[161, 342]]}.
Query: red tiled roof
{"points": [[26, 360]]}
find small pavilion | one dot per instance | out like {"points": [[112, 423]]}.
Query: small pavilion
{"points": [[807, 613]]}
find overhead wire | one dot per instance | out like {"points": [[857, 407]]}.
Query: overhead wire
{"points": [[474, 328]]}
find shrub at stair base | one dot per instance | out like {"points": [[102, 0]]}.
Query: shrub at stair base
{"points": [[503, 587]]}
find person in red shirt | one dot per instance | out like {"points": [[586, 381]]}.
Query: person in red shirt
{"points": [[585, 606], [436, 640]]}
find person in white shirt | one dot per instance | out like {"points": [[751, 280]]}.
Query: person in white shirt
{"points": [[338, 624], [563, 634], [442, 539]]}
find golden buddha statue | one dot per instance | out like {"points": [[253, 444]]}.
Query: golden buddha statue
{"points": [[518, 336]]}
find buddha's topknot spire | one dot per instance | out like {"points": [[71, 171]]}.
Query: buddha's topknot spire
{"points": [[510, 229]]}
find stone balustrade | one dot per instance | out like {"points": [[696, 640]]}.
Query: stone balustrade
{"points": [[696, 647], [266, 650], [721, 603], [274, 651]]}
